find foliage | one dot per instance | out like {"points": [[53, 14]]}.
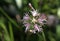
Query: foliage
{"points": [[12, 28]]}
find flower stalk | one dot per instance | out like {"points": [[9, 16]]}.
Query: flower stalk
{"points": [[43, 36]]}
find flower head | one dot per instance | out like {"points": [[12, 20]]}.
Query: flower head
{"points": [[33, 24]]}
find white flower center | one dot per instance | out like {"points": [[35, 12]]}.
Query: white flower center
{"points": [[34, 20]]}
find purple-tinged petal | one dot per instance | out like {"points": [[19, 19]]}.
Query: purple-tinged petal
{"points": [[26, 17], [43, 16], [36, 27], [40, 20], [27, 26]]}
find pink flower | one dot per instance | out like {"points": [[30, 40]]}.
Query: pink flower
{"points": [[34, 23]]}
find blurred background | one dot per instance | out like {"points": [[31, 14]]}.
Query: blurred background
{"points": [[12, 11]]}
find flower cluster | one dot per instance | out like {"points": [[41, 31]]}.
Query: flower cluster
{"points": [[34, 22]]}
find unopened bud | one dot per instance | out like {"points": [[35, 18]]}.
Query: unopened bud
{"points": [[31, 6]]}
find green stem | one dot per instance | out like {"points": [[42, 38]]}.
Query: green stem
{"points": [[28, 36], [40, 37], [6, 34], [43, 36]]}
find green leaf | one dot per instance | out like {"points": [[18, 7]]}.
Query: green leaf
{"points": [[11, 20], [11, 32], [6, 35]]}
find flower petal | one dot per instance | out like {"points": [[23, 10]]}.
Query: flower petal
{"points": [[27, 25], [34, 13], [36, 27], [26, 17]]}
